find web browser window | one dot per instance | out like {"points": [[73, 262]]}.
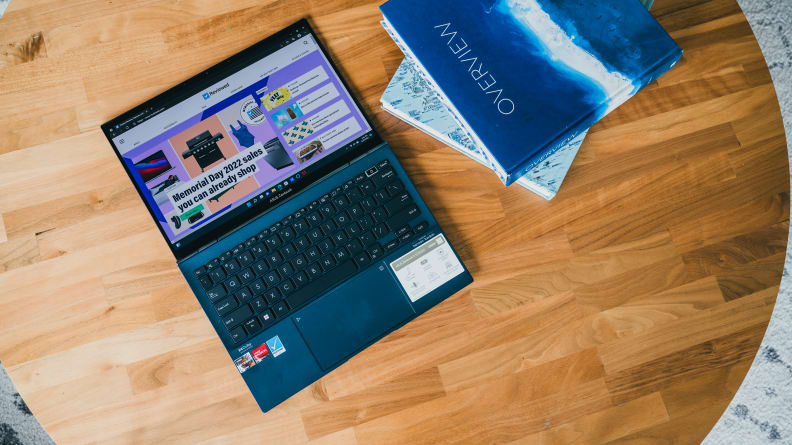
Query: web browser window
{"points": [[245, 139]]}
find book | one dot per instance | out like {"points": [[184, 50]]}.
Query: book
{"points": [[410, 98], [523, 78]]}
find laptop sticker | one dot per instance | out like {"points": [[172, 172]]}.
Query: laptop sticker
{"points": [[260, 353], [426, 267], [276, 346], [244, 362]]}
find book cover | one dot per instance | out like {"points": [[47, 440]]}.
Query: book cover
{"points": [[525, 77], [410, 98]]}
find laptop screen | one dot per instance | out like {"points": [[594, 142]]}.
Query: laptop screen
{"points": [[262, 126]]}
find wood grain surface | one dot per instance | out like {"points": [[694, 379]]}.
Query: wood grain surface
{"points": [[626, 310]]}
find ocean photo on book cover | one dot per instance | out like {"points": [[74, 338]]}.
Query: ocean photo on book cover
{"points": [[526, 76]]}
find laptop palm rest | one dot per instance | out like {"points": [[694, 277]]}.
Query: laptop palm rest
{"points": [[349, 317]]}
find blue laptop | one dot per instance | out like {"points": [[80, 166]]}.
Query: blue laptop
{"points": [[294, 224]]}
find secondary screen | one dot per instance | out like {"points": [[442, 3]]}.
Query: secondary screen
{"points": [[245, 137]]}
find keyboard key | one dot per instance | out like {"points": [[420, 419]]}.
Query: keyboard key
{"points": [[353, 230], [367, 238], [258, 287], [379, 214], [260, 267], [384, 176], [403, 216], [340, 201], [266, 319], [394, 187], [328, 226], [273, 242], [356, 211], [217, 274], [301, 225], [354, 195], [272, 296], [315, 234], [237, 334], [250, 241], [215, 263], [322, 284], [302, 243], [326, 245], [244, 258], [286, 269], [300, 279], [380, 230], [392, 244], [205, 281], [354, 246], [420, 227], [339, 237], [233, 284], [375, 251], [238, 316], [216, 293], [280, 309], [244, 295], [327, 262], [299, 261], [368, 203], [314, 218], [313, 253], [252, 326], [341, 219], [402, 230], [327, 209], [314, 270], [399, 202], [246, 275], [286, 234], [367, 187], [286, 287], [259, 250], [225, 306], [274, 258], [288, 250], [362, 259], [341, 255], [199, 272], [405, 236], [271, 278], [231, 267], [259, 304], [381, 196], [366, 222]]}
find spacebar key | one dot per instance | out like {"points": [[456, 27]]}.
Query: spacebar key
{"points": [[321, 284]]}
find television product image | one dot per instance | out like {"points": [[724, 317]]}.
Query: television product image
{"points": [[152, 166]]}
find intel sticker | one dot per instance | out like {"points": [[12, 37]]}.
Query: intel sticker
{"points": [[426, 267]]}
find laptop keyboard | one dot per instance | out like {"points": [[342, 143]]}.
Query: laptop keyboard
{"points": [[292, 262]]}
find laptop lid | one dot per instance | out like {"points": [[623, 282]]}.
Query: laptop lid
{"points": [[240, 138]]}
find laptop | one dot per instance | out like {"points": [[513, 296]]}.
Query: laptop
{"points": [[298, 268]]}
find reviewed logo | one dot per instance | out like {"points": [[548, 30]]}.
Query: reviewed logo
{"points": [[276, 346], [206, 96]]}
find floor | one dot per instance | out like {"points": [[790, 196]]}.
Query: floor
{"points": [[759, 412]]}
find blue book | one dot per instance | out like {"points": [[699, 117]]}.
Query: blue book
{"points": [[523, 78], [410, 98]]}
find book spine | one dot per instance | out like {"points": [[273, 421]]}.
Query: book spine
{"points": [[489, 159]]}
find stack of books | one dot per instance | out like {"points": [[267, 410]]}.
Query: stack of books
{"points": [[515, 84]]}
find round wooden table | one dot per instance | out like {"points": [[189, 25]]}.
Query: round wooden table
{"points": [[630, 306]]}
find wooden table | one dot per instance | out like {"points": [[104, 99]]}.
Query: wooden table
{"points": [[629, 307]]}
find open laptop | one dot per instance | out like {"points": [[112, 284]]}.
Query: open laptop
{"points": [[297, 268]]}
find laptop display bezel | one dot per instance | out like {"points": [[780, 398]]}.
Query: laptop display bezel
{"points": [[240, 216]]}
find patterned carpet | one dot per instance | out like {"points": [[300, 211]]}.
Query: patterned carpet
{"points": [[760, 412]]}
